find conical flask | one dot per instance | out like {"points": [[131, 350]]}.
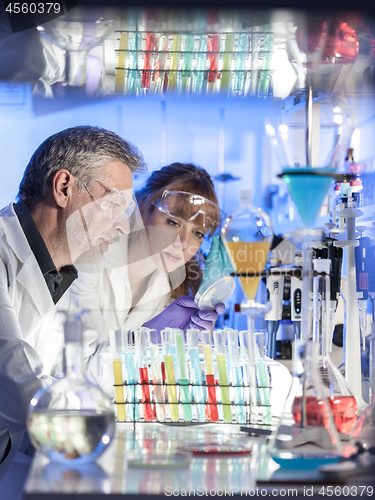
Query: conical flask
{"points": [[340, 398], [71, 420], [306, 436], [247, 235]]}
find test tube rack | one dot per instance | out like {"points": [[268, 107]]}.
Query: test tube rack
{"points": [[194, 63], [131, 404]]}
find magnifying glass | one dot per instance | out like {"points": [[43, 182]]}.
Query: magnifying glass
{"points": [[215, 290]]}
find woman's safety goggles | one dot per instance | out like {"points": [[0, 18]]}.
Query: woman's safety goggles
{"points": [[190, 207]]}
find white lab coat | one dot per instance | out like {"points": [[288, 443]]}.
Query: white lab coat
{"points": [[31, 340], [31, 333]]}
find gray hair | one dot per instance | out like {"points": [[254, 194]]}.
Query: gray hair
{"points": [[83, 151]]}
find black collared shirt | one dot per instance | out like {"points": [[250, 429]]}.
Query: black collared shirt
{"points": [[57, 281]]}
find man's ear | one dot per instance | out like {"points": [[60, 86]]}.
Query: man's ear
{"points": [[62, 185]]}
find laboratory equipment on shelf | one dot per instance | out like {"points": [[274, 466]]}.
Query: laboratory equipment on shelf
{"points": [[247, 236], [343, 404], [72, 420], [306, 436]]}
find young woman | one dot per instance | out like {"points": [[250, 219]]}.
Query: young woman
{"points": [[155, 264]]}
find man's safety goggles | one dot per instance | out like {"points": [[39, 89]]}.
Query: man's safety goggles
{"points": [[118, 205], [190, 207]]}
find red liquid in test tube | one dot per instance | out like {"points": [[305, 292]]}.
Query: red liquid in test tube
{"points": [[146, 74], [146, 399], [213, 48]]}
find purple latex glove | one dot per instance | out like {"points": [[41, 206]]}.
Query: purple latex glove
{"points": [[184, 314]]}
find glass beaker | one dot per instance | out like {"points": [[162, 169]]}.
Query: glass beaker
{"points": [[72, 419], [306, 436]]}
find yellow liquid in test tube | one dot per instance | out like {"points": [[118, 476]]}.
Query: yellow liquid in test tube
{"points": [[117, 371], [120, 75], [172, 390], [208, 359], [249, 258]]}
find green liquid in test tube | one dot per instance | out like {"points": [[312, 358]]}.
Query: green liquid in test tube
{"points": [[220, 348], [201, 64], [159, 74], [174, 64], [184, 382], [239, 78], [262, 376], [264, 78], [227, 63], [188, 61]]}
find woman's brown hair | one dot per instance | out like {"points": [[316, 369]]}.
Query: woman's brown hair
{"points": [[179, 177]]}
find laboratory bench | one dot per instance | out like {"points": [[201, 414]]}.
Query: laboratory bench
{"points": [[123, 469]]}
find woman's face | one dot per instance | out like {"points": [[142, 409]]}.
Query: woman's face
{"points": [[186, 245]]}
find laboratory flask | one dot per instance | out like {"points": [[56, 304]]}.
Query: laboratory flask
{"points": [[306, 436], [72, 419], [340, 398]]}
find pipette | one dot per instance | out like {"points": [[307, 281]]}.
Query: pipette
{"points": [[275, 291], [184, 381], [296, 298], [220, 348], [363, 265], [116, 342], [192, 340]]}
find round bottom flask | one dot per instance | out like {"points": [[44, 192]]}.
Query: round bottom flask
{"points": [[71, 420]]}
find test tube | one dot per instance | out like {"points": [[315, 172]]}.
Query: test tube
{"points": [[213, 49], [174, 64], [184, 381], [248, 342], [157, 377], [210, 377], [220, 348], [120, 75], [131, 369], [227, 64], [192, 340], [142, 339], [168, 349], [236, 374], [254, 63], [201, 65], [188, 61], [262, 375], [264, 78], [115, 339], [159, 74], [147, 64], [242, 49]]}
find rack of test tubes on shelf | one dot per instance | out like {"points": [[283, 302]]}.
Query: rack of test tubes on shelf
{"points": [[196, 64], [183, 377]]}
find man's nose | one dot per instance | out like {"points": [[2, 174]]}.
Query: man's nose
{"points": [[122, 226]]}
